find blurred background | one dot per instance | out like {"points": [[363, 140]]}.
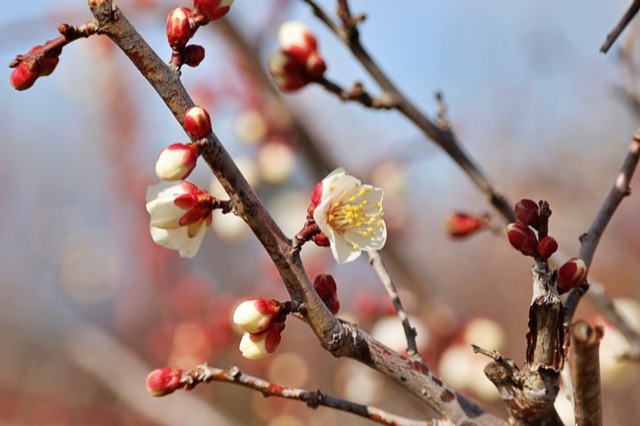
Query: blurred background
{"points": [[89, 305]]}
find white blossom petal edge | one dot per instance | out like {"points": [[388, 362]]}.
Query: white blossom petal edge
{"points": [[350, 215]]}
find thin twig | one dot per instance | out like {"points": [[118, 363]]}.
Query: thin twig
{"points": [[585, 372], [410, 332], [620, 26], [314, 399]]}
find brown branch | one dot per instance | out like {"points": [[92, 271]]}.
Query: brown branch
{"points": [[590, 240], [314, 399], [585, 373], [620, 26], [340, 338], [529, 394], [410, 332], [442, 136], [356, 94]]}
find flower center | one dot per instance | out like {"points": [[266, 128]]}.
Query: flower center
{"points": [[351, 213]]}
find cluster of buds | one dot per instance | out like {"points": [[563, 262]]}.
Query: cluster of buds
{"points": [[180, 213], [522, 234], [262, 322], [346, 215], [325, 286], [460, 225], [40, 61], [298, 62]]}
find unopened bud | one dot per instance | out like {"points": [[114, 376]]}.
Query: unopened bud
{"points": [[260, 345], [193, 55], [254, 316], [528, 212], [315, 65], [178, 27], [197, 122], [213, 9], [571, 275], [24, 75], [522, 238], [321, 240], [547, 246], [315, 199], [325, 286], [460, 225], [177, 161], [163, 381], [295, 38], [288, 73]]}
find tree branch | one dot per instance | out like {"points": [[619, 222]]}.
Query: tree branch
{"points": [[585, 373], [620, 26], [340, 338], [314, 399]]}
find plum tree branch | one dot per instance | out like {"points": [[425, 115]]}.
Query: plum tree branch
{"points": [[620, 26], [314, 399], [585, 372], [340, 338]]}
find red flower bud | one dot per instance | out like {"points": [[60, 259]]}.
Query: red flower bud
{"points": [[197, 122], [571, 275], [321, 240], [178, 27], [528, 212], [547, 246], [315, 65], [325, 286], [213, 9], [315, 200], [193, 55], [522, 238], [460, 225], [163, 381], [24, 75]]}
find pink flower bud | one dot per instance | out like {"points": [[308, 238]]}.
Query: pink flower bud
{"points": [[460, 225], [325, 286], [528, 212], [45, 64], [522, 238], [296, 39], [315, 66], [260, 345], [177, 161], [321, 240], [255, 316], [24, 75], [193, 55], [547, 246], [316, 197], [178, 27], [213, 9], [163, 381], [571, 275], [197, 122], [288, 73]]}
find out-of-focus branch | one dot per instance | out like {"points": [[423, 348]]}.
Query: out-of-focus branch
{"points": [[340, 338], [376, 263], [620, 26], [443, 136], [357, 94], [590, 240], [585, 372], [314, 399]]}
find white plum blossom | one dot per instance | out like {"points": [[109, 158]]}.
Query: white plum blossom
{"points": [[180, 214], [350, 215]]}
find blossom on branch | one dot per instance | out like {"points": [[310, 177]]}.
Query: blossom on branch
{"points": [[177, 161], [349, 214], [298, 62], [180, 214], [213, 9]]}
